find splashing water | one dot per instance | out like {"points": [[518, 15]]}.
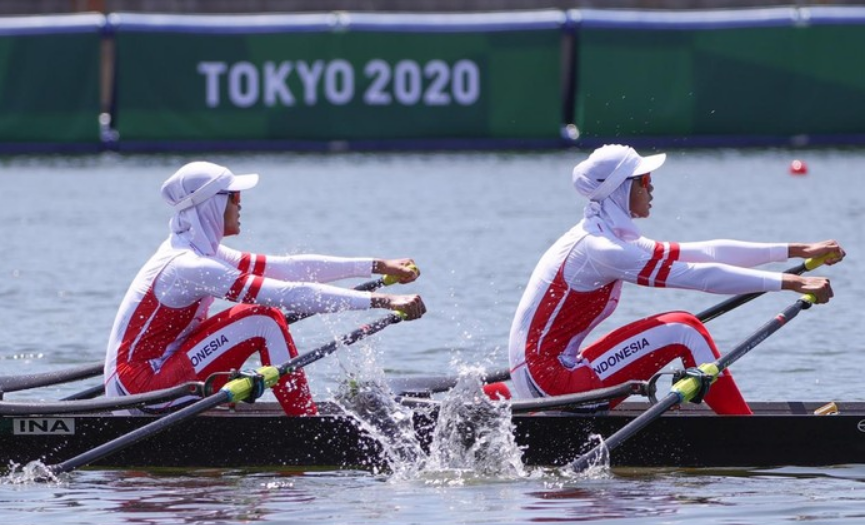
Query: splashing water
{"points": [[367, 398], [374, 407], [474, 435], [599, 466], [33, 472], [473, 438]]}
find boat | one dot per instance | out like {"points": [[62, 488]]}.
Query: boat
{"points": [[217, 432], [259, 435]]}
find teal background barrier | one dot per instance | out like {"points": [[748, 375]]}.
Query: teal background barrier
{"points": [[357, 78], [725, 76], [788, 75], [49, 82]]}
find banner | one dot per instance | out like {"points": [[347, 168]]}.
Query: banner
{"points": [[725, 77], [49, 82], [363, 79]]}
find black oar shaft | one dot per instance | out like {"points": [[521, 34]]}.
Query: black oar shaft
{"points": [[734, 302], [347, 339], [24, 382], [570, 401], [686, 389], [369, 286], [140, 433], [436, 384], [760, 335], [80, 406], [637, 424]]}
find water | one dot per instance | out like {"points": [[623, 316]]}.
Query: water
{"points": [[76, 229]]}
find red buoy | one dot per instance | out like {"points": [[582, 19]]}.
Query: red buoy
{"points": [[798, 167]]}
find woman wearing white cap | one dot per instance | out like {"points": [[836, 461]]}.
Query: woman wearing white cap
{"points": [[577, 284], [163, 336]]}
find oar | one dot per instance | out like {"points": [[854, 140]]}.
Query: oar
{"points": [[437, 384], [690, 387], [82, 406], [734, 302], [369, 286], [240, 389], [28, 381], [23, 382], [566, 402]]}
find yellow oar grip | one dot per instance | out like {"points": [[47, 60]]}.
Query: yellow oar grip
{"points": [[242, 388], [816, 262], [689, 387], [393, 279], [809, 298]]}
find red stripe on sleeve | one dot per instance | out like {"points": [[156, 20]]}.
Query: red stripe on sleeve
{"points": [[260, 261], [245, 259], [237, 287], [664, 272], [657, 255], [254, 288]]}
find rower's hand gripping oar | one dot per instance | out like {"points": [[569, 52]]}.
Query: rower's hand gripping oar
{"points": [[241, 389], [734, 302], [692, 387], [369, 286]]}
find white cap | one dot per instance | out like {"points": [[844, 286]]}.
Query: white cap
{"points": [[649, 164], [608, 167], [196, 182]]}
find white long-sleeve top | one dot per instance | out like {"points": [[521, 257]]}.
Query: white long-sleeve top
{"points": [[577, 283], [173, 292]]}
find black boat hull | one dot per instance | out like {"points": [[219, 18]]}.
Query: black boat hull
{"points": [[258, 436]]}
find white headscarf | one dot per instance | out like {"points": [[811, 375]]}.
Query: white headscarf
{"points": [[605, 179], [197, 193]]}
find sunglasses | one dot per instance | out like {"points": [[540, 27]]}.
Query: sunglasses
{"points": [[644, 180], [233, 196]]}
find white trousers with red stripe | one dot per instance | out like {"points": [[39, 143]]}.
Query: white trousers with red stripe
{"points": [[635, 351], [222, 343]]}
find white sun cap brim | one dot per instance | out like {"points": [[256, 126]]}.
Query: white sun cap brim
{"points": [[243, 182], [649, 164]]}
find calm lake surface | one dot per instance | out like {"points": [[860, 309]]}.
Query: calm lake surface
{"points": [[76, 230]]}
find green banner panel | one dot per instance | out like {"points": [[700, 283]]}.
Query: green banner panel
{"points": [[337, 78], [49, 82], [748, 76]]}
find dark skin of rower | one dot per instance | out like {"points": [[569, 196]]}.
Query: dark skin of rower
{"points": [[820, 287], [404, 269]]}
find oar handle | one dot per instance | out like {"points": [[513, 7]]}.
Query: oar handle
{"points": [[388, 280], [815, 262]]}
